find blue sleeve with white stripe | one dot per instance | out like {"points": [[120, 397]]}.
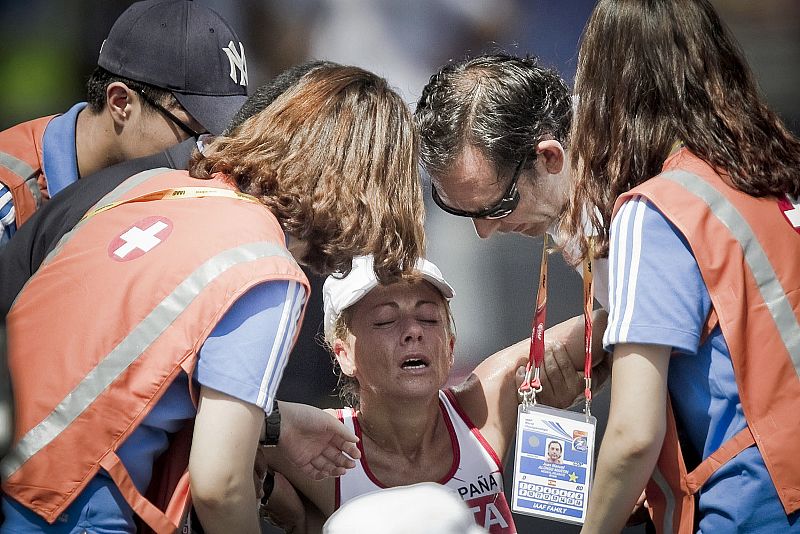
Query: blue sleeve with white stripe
{"points": [[656, 292], [245, 355], [8, 224]]}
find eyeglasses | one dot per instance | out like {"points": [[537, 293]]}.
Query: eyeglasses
{"points": [[502, 208], [188, 130]]}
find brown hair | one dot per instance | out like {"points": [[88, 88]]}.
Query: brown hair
{"points": [[335, 159], [501, 104], [653, 72]]}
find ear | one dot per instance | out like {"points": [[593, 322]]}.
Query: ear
{"points": [[344, 355], [553, 154], [120, 102]]}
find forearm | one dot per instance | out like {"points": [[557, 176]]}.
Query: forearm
{"points": [[633, 438], [221, 463], [622, 473]]}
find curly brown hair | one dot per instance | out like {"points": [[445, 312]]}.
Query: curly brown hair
{"points": [[335, 159], [653, 72]]}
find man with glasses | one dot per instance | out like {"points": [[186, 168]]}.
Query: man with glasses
{"points": [[493, 133], [169, 70]]}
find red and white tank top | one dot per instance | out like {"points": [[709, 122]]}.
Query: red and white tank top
{"points": [[476, 474]]}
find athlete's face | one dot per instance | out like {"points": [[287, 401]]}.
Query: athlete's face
{"points": [[399, 342]]}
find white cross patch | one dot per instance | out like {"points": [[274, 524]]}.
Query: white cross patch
{"points": [[140, 238]]}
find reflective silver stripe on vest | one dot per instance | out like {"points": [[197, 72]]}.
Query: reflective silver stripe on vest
{"points": [[669, 500], [115, 194], [767, 281], [129, 349], [17, 166], [25, 172]]}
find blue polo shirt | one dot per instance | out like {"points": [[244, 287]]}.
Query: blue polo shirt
{"points": [[59, 152]]}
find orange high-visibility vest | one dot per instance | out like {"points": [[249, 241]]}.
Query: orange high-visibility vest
{"points": [[748, 254], [21, 165], [105, 326]]}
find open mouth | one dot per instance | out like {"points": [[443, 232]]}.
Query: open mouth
{"points": [[414, 363]]}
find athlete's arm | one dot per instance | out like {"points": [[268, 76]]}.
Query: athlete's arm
{"points": [[320, 493], [489, 395], [291, 511], [285, 508]]}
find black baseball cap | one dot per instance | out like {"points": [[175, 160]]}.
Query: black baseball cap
{"points": [[185, 48]]}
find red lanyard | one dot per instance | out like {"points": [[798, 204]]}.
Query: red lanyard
{"points": [[532, 384]]}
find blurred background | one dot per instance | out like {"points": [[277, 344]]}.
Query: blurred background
{"points": [[48, 48]]}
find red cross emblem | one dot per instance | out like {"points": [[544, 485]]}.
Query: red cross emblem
{"points": [[140, 238]]}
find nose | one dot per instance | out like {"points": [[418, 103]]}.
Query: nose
{"points": [[486, 227], [412, 331]]}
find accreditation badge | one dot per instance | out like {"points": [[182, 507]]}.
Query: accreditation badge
{"points": [[553, 463]]}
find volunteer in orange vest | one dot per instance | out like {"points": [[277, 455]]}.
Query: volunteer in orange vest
{"points": [[393, 345], [168, 70], [697, 183], [184, 286]]}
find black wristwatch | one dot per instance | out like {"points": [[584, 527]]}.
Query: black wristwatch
{"points": [[272, 427]]}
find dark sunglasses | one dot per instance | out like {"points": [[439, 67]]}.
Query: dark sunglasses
{"points": [[188, 130], [502, 208]]}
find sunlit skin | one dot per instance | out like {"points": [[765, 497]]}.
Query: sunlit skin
{"points": [[473, 183], [410, 350], [159, 132], [125, 130], [400, 350]]}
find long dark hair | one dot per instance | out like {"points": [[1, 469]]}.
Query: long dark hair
{"points": [[650, 73]]}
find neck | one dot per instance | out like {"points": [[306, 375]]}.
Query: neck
{"points": [[94, 143], [406, 428]]}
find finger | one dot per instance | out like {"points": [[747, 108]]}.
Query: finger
{"points": [[312, 472], [519, 377], [348, 447], [351, 451], [559, 376], [336, 457], [341, 434]]}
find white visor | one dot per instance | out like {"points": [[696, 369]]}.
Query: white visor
{"points": [[341, 292]]}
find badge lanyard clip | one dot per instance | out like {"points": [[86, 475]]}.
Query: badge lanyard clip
{"points": [[531, 385], [588, 305]]}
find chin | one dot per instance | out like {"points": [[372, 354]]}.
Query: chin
{"points": [[418, 390]]}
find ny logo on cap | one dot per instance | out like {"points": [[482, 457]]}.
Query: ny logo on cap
{"points": [[237, 60]]}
